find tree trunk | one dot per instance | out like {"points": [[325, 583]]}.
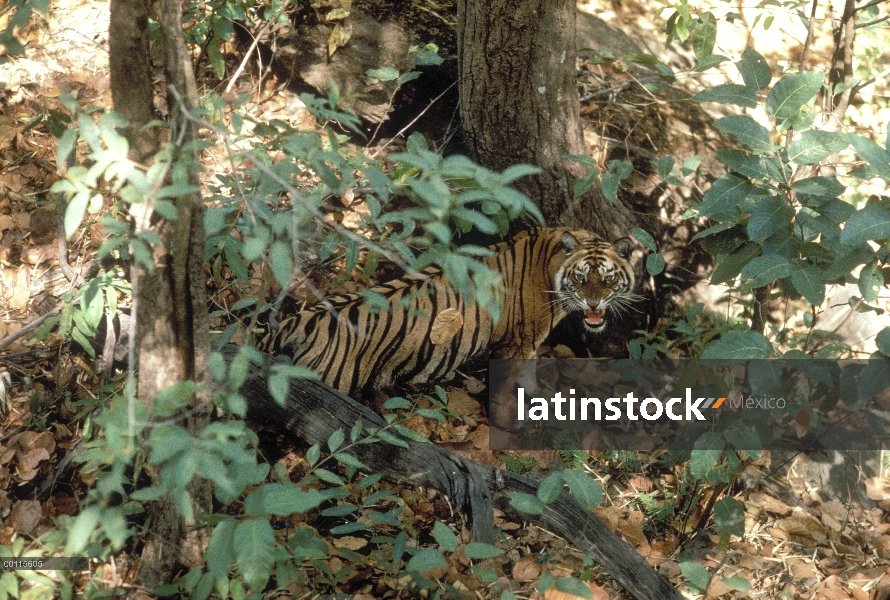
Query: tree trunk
{"points": [[519, 104], [129, 63], [172, 338]]}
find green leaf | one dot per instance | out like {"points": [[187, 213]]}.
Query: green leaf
{"points": [[665, 166], [585, 183], [729, 515], [584, 489], [758, 168], [254, 542], [481, 551], [282, 500], [747, 131], [807, 280], [728, 93], [514, 172], [869, 223], [705, 454], [93, 305], [526, 503], [351, 461], [882, 340], [819, 187], [428, 559], [770, 215], [733, 264], [792, 92], [80, 531], [754, 70], [703, 64], [329, 476], [383, 73], [550, 488], [77, 208], [281, 262], [220, 554], [705, 35], [655, 264], [814, 146], [171, 399], [724, 194], [65, 147], [445, 537], [871, 279], [737, 583], [644, 238], [336, 440], [720, 228], [573, 586], [766, 269], [739, 345], [878, 158], [389, 438], [610, 186], [696, 574]]}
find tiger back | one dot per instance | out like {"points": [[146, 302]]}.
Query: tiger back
{"points": [[546, 274]]}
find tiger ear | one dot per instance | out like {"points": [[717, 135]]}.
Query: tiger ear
{"points": [[624, 247], [569, 242]]}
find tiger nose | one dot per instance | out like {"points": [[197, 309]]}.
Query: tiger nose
{"points": [[593, 304]]}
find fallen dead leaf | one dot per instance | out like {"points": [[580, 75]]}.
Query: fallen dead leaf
{"points": [[803, 524], [16, 291], [25, 516], [717, 589], [768, 503], [527, 568], [34, 255], [463, 403], [447, 324], [473, 385], [350, 542], [877, 488], [596, 593], [641, 484], [801, 569], [27, 467]]}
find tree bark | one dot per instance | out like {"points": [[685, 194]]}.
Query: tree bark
{"points": [[130, 67], [519, 104], [172, 338]]}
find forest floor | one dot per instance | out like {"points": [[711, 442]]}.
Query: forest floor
{"points": [[801, 541]]}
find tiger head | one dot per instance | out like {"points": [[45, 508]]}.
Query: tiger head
{"points": [[596, 276]]}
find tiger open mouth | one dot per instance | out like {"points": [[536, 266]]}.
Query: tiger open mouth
{"points": [[593, 318]]}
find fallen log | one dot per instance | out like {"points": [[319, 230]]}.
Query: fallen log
{"points": [[313, 411]]}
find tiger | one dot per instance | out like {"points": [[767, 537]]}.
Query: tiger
{"points": [[546, 273]]}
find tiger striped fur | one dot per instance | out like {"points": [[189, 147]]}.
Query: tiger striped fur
{"points": [[547, 273]]}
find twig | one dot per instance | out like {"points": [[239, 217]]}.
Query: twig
{"points": [[841, 63], [872, 3], [413, 121], [30, 326], [253, 45], [859, 86], [824, 340], [872, 22], [811, 30]]}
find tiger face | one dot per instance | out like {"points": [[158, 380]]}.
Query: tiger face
{"points": [[595, 277]]}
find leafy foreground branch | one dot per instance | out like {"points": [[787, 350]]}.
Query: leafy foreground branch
{"points": [[313, 411]]}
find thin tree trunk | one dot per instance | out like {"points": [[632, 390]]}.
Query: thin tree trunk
{"points": [[129, 62], [519, 104], [172, 339]]}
